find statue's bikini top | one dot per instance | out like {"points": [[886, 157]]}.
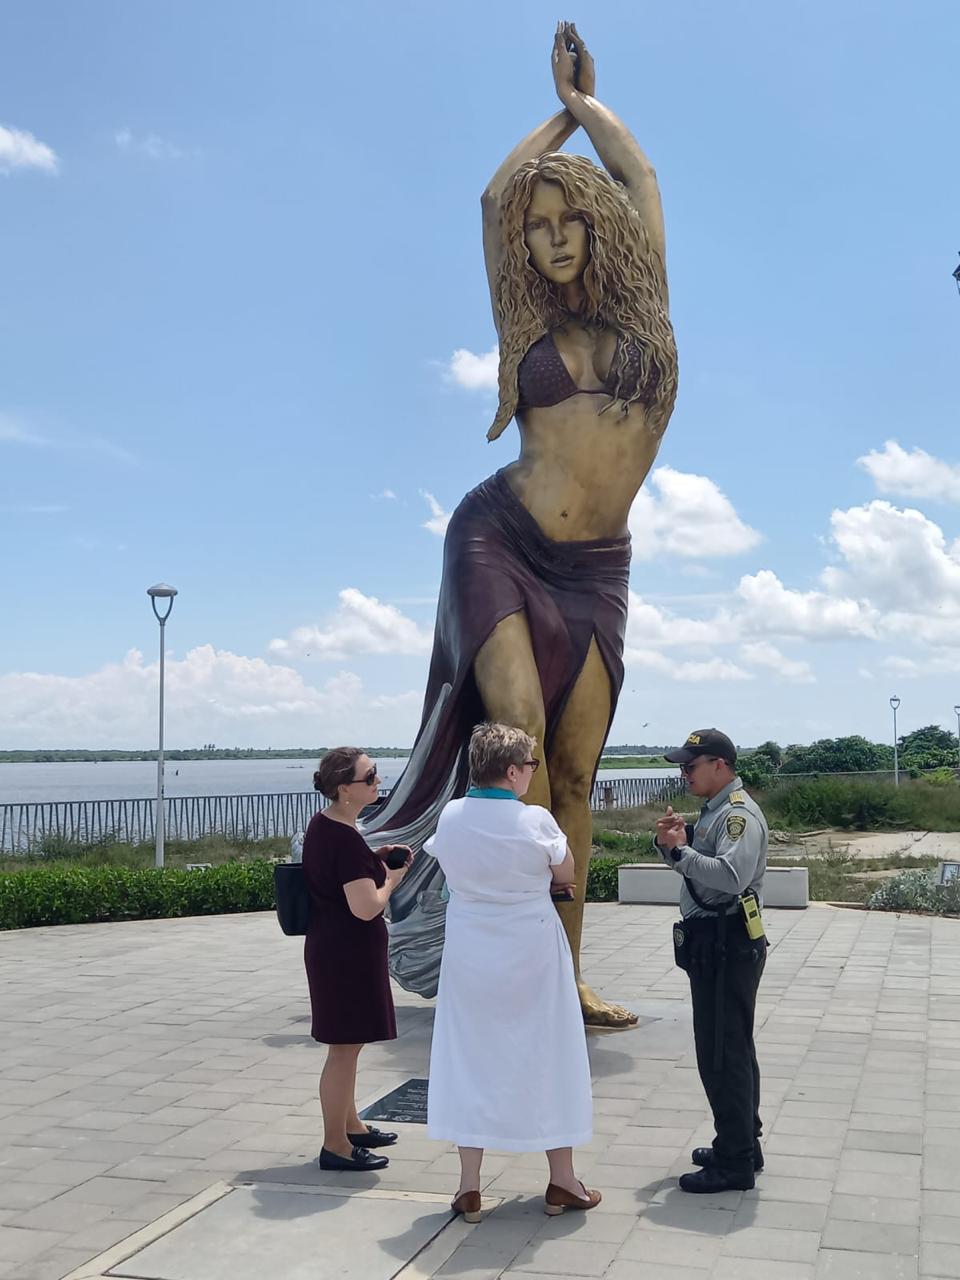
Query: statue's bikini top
{"points": [[543, 379]]}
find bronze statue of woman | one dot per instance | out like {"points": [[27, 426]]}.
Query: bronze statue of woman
{"points": [[533, 602]]}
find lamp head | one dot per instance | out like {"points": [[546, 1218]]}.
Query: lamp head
{"points": [[894, 702], [162, 591]]}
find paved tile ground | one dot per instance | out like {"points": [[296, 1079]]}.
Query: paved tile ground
{"points": [[141, 1063]]}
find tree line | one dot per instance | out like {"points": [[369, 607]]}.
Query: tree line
{"points": [[928, 748]]}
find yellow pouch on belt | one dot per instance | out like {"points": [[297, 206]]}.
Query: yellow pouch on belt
{"points": [[751, 916]]}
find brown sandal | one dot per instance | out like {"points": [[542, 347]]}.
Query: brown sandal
{"points": [[558, 1198], [469, 1205]]}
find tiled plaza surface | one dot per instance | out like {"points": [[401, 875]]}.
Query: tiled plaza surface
{"points": [[143, 1063]]}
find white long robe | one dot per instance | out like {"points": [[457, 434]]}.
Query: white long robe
{"points": [[508, 1065]]}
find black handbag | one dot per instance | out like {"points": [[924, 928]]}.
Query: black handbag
{"points": [[293, 898]]}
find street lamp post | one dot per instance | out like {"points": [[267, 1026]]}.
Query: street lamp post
{"points": [[160, 592], [895, 702], [956, 712]]}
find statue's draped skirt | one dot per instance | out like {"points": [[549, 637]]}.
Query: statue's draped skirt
{"points": [[496, 561]]}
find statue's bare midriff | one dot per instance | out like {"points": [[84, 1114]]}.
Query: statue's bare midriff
{"points": [[579, 470]]}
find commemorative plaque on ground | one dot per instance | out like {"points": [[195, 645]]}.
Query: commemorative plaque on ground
{"points": [[404, 1105]]}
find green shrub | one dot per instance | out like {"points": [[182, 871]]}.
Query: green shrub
{"points": [[839, 802], [602, 879], [754, 771], [81, 895], [916, 891], [632, 842], [941, 777]]}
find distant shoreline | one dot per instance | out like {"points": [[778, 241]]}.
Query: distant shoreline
{"points": [[613, 758], [79, 756]]}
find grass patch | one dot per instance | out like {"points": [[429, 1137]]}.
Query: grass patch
{"points": [[54, 850], [863, 806], [635, 762]]}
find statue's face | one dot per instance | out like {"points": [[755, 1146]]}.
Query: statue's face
{"points": [[555, 235]]}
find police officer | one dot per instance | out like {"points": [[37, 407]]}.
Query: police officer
{"points": [[720, 942]]}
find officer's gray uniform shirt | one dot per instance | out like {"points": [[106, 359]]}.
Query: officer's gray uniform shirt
{"points": [[729, 853]]}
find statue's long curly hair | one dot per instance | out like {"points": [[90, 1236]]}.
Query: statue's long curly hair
{"points": [[622, 284]]}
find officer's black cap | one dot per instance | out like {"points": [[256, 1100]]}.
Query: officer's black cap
{"points": [[704, 742]]}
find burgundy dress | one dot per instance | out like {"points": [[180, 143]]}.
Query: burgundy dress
{"points": [[345, 957]]}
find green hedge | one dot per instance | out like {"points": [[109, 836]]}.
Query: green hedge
{"points": [[82, 895], [602, 879], [85, 895]]}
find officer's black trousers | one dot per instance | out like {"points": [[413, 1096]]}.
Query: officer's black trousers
{"points": [[734, 1090]]}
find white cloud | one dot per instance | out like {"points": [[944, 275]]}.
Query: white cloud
{"points": [[710, 668], [439, 519], [13, 432], [896, 558], [916, 474], [933, 664], [770, 608], [385, 495], [473, 372], [651, 628], [759, 653], [149, 144], [34, 509], [211, 696], [21, 150], [359, 624], [688, 516]]}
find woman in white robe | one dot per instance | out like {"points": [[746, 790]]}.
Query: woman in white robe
{"points": [[508, 1065]]}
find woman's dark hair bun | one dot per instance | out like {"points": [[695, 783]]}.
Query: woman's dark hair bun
{"points": [[336, 767]]}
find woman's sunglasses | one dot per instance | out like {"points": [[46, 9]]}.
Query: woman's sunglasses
{"points": [[368, 779]]}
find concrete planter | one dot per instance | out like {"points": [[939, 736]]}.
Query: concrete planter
{"points": [[647, 882]]}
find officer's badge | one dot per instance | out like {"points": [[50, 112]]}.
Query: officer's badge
{"points": [[679, 937], [736, 825], [737, 797]]}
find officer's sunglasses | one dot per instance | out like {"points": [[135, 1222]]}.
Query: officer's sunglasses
{"points": [[368, 779], [687, 769]]}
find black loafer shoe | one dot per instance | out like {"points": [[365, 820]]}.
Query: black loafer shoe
{"points": [[711, 1180], [360, 1162], [374, 1137], [705, 1158]]}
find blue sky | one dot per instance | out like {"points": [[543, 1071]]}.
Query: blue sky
{"points": [[240, 249]]}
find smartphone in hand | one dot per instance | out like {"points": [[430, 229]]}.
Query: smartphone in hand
{"points": [[397, 857]]}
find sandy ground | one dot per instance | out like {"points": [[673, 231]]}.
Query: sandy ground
{"points": [[871, 844]]}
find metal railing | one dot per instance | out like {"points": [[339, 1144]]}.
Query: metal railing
{"points": [[26, 826], [30, 826]]}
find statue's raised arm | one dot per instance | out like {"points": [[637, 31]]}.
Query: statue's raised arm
{"points": [[616, 146], [617, 283]]}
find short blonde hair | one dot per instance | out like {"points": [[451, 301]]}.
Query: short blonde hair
{"points": [[494, 748]]}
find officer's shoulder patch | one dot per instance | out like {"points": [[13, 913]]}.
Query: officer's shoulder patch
{"points": [[737, 797], [736, 825]]}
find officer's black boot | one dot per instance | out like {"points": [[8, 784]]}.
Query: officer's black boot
{"points": [[704, 1157], [713, 1179]]}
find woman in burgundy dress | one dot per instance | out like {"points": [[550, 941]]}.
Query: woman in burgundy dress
{"points": [[345, 952]]}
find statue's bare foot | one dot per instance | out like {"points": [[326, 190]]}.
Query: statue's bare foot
{"points": [[598, 1013]]}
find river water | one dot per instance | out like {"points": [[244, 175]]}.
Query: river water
{"points": [[137, 779]]}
